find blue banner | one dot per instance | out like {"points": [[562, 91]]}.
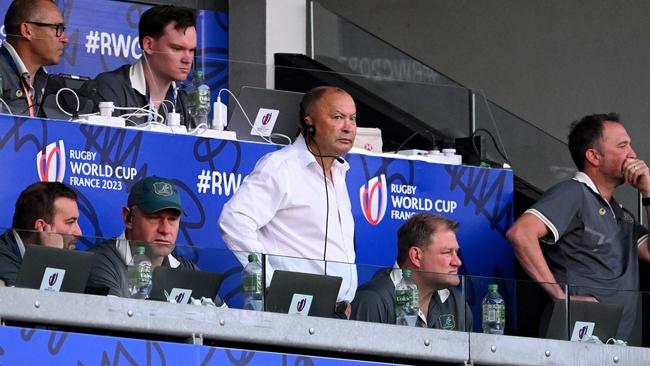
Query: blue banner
{"points": [[20, 346], [102, 163]]}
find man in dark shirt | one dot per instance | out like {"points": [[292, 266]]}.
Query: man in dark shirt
{"points": [[588, 240], [167, 36], [46, 213], [426, 244], [151, 219], [35, 38]]}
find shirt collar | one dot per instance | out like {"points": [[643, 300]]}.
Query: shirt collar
{"points": [[306, 158], [396, 276], [17, 60], [124, 250], [136, 76], [19, 242], [583, 178]]}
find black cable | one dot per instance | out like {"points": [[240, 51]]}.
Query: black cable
{"points": [[407, 140], [327, 197], [496, 146]]}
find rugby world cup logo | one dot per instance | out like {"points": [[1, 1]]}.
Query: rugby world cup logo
{"points": [[373, 197], [266, 119], [50, 162]]}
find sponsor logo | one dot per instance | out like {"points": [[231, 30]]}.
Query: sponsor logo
{"points": [[266, 119], [52, 280], [301, 305], [50, 163], [373, 197], [179, 298]]}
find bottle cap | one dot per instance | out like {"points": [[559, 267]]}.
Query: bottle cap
{"points": [[493, 287], [139, 249], [252, 258], [406, 272]]}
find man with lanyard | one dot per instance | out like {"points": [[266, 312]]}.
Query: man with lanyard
{"points": [[577, 235], [46, 213], [295, 203], [427, 245], [35, 38], [167, 36]]}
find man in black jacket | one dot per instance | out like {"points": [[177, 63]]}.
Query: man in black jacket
{"points": [[167, 36], [426, 244], [46, 213], [35, 38]]}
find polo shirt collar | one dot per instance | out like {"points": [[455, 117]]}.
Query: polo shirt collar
{"points": [[136, 76], [124, 250], [586, 180], [17, 60]]}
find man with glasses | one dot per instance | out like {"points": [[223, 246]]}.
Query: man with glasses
{"points": [[35, 38]]}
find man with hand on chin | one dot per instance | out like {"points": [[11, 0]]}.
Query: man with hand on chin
{"points": [[283, 208], [427, 244], [46, 213], [588, 240]]}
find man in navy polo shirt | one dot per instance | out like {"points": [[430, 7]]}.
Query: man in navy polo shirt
{"points": [[588, 240]]}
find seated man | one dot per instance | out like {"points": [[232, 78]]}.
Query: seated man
{"points": [[151, 218], [46, 213], [168, 41], [35, 38], [426, 243]]}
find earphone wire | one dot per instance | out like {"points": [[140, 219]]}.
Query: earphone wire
{"points": [[327, 197]]}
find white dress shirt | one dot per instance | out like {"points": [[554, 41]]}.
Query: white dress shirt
{"points": [[280, 209]]}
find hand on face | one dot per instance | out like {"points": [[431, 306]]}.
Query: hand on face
{"points": [[637, 174], [48, 237]]}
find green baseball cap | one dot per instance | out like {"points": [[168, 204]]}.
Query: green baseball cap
{"points": [[153, 194]]}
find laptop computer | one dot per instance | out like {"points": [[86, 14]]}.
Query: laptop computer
{"points": [[68, 102], [303, 294], [585, 319], [54, 269], [182, 284], [270, 111]]}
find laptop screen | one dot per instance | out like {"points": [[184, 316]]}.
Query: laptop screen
{"points": [[54, 269], [303, 294]]}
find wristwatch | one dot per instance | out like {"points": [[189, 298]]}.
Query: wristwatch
{"points": [[645, 201]]}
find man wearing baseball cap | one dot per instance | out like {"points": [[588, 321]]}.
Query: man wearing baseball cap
{"points": [[151, 218]]}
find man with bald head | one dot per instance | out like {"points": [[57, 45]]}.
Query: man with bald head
{"points": [[295, 202], [35, 38]]}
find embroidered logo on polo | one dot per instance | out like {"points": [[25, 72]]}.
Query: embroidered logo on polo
{"points": [[602, 211], [447, 321], [628, 218], [163, 189]]}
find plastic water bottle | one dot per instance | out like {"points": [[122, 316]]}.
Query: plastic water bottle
{"points": [[199, 99], [140, 275], [407, 300], [252, 285], [494, 311]]}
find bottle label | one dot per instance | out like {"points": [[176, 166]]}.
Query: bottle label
{"points": [[252, 283], [406, 299], [494, 313]]}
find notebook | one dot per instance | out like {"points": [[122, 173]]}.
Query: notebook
{"points": [[586, 319], [54, 269], [270, 111], [182, 284], [303, 294]]}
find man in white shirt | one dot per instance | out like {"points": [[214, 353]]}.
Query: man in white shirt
{"points": [[35, 38], [295, 202]]}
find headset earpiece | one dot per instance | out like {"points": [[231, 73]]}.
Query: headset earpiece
{"points": [[310, 130]]}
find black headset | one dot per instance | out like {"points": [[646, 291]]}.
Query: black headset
{"points": [[306, 129]]}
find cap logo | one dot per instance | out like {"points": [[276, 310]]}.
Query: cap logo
{"points": [[163, 189]]}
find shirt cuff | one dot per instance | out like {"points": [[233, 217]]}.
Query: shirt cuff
{"points": [[548, 223]]}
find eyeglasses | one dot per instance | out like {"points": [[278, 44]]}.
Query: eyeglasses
{"points": [[60, 28]]}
